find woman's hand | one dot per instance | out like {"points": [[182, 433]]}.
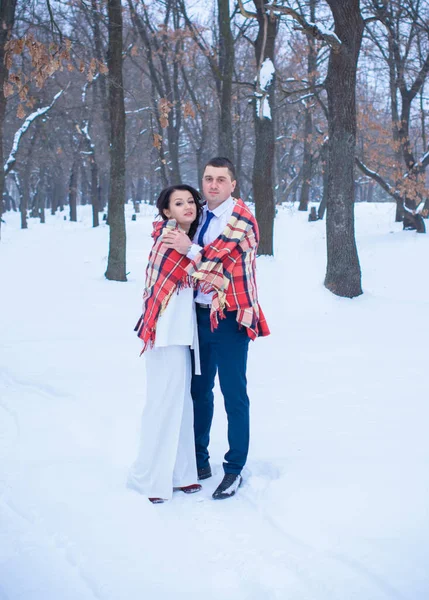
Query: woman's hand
{"points": [[178, 240]]}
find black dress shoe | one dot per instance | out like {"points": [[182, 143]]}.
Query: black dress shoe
{"points": [[204, 473], [228, 486]]}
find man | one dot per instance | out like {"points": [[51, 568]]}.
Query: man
{"points": [[223, 263]]}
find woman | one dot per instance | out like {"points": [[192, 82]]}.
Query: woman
{"points": [[167, 327]]}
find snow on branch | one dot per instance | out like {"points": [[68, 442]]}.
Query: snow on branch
{"points": [[132, 112], [317, 31], [264, 81], [86, 86], [266, 74], [379, 179], [388, 188], [23, 129], [424, 161], [84, 132], [419, 166]]}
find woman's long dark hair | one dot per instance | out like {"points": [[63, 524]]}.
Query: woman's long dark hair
{"points": [[163, 203]]}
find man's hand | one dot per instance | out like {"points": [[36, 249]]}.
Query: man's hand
{"points": [[178, 240]]}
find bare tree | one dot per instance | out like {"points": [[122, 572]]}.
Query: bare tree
{"points": [[263, 172], [343, 274], [224, 81], [307, 159], [221, 57], [116, 269], [163, 49], [7, 17], [400, 31]]}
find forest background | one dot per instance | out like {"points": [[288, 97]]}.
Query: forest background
{"points": [[319, 103]]}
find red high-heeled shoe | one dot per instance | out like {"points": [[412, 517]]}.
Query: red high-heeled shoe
{"points": [[189, 489]]}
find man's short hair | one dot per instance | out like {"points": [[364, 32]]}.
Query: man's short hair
{"points": [[221, 161]]}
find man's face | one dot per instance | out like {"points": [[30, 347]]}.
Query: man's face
{"points": [[217, 185]]}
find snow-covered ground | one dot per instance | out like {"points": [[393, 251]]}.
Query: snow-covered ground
{"points": [[335, 504]]}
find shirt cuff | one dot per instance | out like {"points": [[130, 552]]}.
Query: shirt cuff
{"points": [[193, 251]]}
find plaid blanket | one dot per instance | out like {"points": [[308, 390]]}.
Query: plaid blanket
{"points": [[227, 267], [165, 274]]}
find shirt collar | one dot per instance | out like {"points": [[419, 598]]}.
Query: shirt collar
{"points": [[219, 210]]}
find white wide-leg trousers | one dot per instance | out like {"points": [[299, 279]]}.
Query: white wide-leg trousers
{"points": [[166, 457]]}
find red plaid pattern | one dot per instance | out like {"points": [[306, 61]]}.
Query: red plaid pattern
{"points": [[165, 274], [227, 267]]}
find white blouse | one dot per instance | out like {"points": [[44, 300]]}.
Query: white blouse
{"points": [[177, 326]]}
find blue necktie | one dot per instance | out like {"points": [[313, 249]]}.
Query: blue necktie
{"points": [[204, 228]]}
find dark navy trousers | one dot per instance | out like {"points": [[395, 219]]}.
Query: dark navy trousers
{"points": [[224, 351]]}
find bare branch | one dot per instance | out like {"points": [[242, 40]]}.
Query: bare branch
{"points": [[53, 22], [246, 13], [23, 129], [379, 179], [316, 31]]}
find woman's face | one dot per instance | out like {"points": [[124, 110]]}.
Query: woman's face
{"points": [[182, 208]]}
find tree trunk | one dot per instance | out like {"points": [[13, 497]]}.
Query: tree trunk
{"points": [[263, 175], [73, 190], [399, 216], [306, 162], [162, 160], [41, 199], [174, 124], [116, 269], [7, 18], [395, 126], [57, 188], [94, 192], [324, 158], [238, 149], [226, 69], [103, 192], [100, 84], [307, 159], [174, 120], [343, 274], [54, 198], [84, 185], [140, 193], [23, 203]]}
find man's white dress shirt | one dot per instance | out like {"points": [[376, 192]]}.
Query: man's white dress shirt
{"points": [[222, 214]]}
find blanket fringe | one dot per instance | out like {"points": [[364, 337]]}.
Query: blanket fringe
{"points": [[148, 336], [149, 342]]}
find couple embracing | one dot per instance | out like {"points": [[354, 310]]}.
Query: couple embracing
{"points": [[200, 310]]}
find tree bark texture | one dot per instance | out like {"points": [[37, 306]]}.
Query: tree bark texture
{"points": [[116, 269], [7, 18], [263, 165], [343, 274]]}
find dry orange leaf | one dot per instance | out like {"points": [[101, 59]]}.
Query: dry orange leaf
{"points": [[157, 139], [7, 89], [20, 113]]}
